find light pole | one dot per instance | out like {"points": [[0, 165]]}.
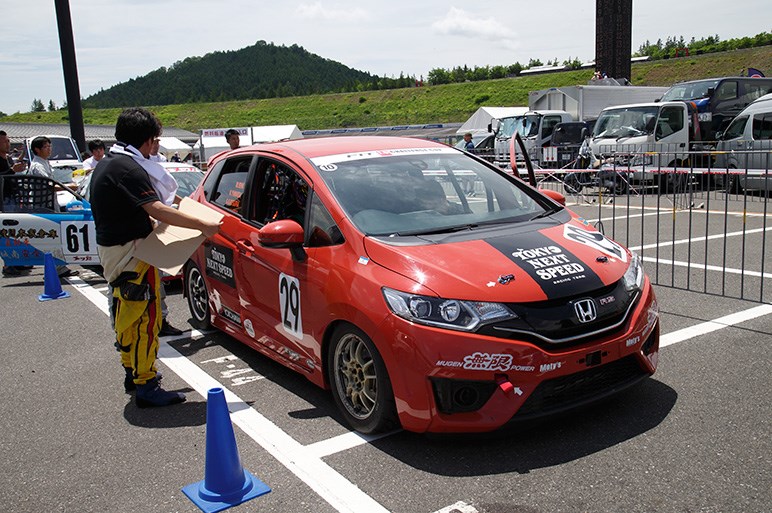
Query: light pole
{"points": [[70, 68]]}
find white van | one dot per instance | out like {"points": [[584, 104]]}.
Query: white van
{"points": [[747, 142]]}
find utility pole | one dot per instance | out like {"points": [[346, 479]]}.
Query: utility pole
{"points": [[70, 68], [613, 37]]}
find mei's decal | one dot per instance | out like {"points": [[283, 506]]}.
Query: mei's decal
{"points": [[231, 315], [549, 367], [486, 362], [249, 328], [219, 264], [550, 265], [596, 240], [289, 301]]}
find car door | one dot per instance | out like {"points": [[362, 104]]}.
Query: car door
{"points": [[32, 224], [283, 297], [228, 194], [761, 146]]}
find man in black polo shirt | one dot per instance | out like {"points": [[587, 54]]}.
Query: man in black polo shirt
{"points": [[124, 202]]}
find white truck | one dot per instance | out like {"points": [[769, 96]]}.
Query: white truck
{"points": [[548, 107]]}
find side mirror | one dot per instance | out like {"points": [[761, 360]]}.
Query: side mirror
{"points": [[554, 195], [285, 233], [585, 133]]}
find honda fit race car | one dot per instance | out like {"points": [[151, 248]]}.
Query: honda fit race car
{"points": [[360, 263]]}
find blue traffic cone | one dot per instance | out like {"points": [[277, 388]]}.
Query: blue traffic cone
{"points": [[226, 483], [52, 287]]}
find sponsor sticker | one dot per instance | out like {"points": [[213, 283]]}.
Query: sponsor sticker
{"points": [[219, 264], [249, 328], [231, 315], [595, 240], [486, 362]]}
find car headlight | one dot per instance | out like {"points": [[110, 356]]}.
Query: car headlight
{"points": [[633, 277], [445, 313]]}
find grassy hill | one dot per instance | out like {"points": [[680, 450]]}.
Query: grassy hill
{"points": [[428, 104]]}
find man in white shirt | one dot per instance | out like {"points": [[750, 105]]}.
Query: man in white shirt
{"points": [[97, 150], [41, 147], [154, 155]]}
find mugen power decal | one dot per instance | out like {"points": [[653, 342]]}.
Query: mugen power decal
{"points": [[557, 271], [595, 240]]}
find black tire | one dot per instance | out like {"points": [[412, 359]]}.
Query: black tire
{"points": [[672, 182], [620, 187], [359, 381], [571, 184], [198, 297]]}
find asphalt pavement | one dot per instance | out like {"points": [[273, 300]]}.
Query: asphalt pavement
{"points": [[693, 438]]}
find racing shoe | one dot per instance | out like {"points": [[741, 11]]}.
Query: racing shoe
{"points": [[128, 382], [152, 395], [168, 330]]}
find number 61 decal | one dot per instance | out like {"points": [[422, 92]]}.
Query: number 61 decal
{"points": [[289, 299], [78, 238]]}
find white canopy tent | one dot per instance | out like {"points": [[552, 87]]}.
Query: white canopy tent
{"points": [[479, 121], [171, 145]]}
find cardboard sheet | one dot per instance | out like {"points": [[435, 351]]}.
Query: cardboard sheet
{"points": [[169, 247]]}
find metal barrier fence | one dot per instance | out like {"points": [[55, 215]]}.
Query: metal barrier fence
{"points": [[699, 228]]}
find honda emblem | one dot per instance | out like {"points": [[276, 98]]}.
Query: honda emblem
{"points": [[585, 310]]}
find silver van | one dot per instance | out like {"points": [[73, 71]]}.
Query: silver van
{"points": [[746, 146]]}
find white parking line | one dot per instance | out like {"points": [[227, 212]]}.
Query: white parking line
{"points": [[342, 443], [728, 270], [717, 324], [459, 507], [698, 239], [339, 492]]}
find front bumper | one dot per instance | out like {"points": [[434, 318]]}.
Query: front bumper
{"points": [[448, 381]]}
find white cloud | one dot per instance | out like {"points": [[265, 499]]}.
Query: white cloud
{"points": [[458, 22], [316, 10]]}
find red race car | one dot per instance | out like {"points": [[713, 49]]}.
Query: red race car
{"points": [[367, 265]]}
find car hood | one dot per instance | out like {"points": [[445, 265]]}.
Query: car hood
{"points": [[522, 264]]}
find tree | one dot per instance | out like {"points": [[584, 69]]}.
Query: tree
{"points": [[37, 106], [51, 106]]}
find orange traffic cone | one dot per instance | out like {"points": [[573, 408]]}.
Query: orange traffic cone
{"points": [[52, 287], [226, 483]]}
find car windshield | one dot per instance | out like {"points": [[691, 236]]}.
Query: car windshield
{"points": [[689, 91], [527, 126], [187, 181], [421, 191], [508, 125], [625, 122], [62, 149], [568, 133]]}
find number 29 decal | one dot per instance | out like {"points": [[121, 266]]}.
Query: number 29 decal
{"points": [[289, 299]]}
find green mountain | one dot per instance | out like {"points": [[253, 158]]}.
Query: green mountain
{"points": [[260, 71]]}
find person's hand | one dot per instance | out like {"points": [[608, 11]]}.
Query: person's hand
{"points": [[209, 229], [19, 167]]}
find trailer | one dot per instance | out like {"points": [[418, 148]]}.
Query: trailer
{"points": [[584, 102]]}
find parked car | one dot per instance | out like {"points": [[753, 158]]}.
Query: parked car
{"points": [[188, 176], [745, 149], [31, 225], [359, 263], [65, 158]]}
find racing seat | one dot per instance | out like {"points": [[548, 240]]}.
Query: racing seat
{"points": [[26, 193]]}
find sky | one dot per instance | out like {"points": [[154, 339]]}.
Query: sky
{"points": [[116, 40]]}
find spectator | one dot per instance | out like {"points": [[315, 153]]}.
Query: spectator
{"points": [[8, 167], [124, 204], [232, 136], [41, 147], [176, 157], [97, 149], [468, 180], [154, 155]]}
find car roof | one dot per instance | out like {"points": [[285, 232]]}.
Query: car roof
{"points": [[324, 146]]}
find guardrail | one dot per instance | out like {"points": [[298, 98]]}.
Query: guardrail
{"points": [[704, 229]]}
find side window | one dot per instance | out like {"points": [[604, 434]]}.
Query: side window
{"points": [[230, 185], [671, 120], [762, 127], [280, 193], [726, 91], [736, 129], [755, 90], [322, 230], [549, 125]]}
